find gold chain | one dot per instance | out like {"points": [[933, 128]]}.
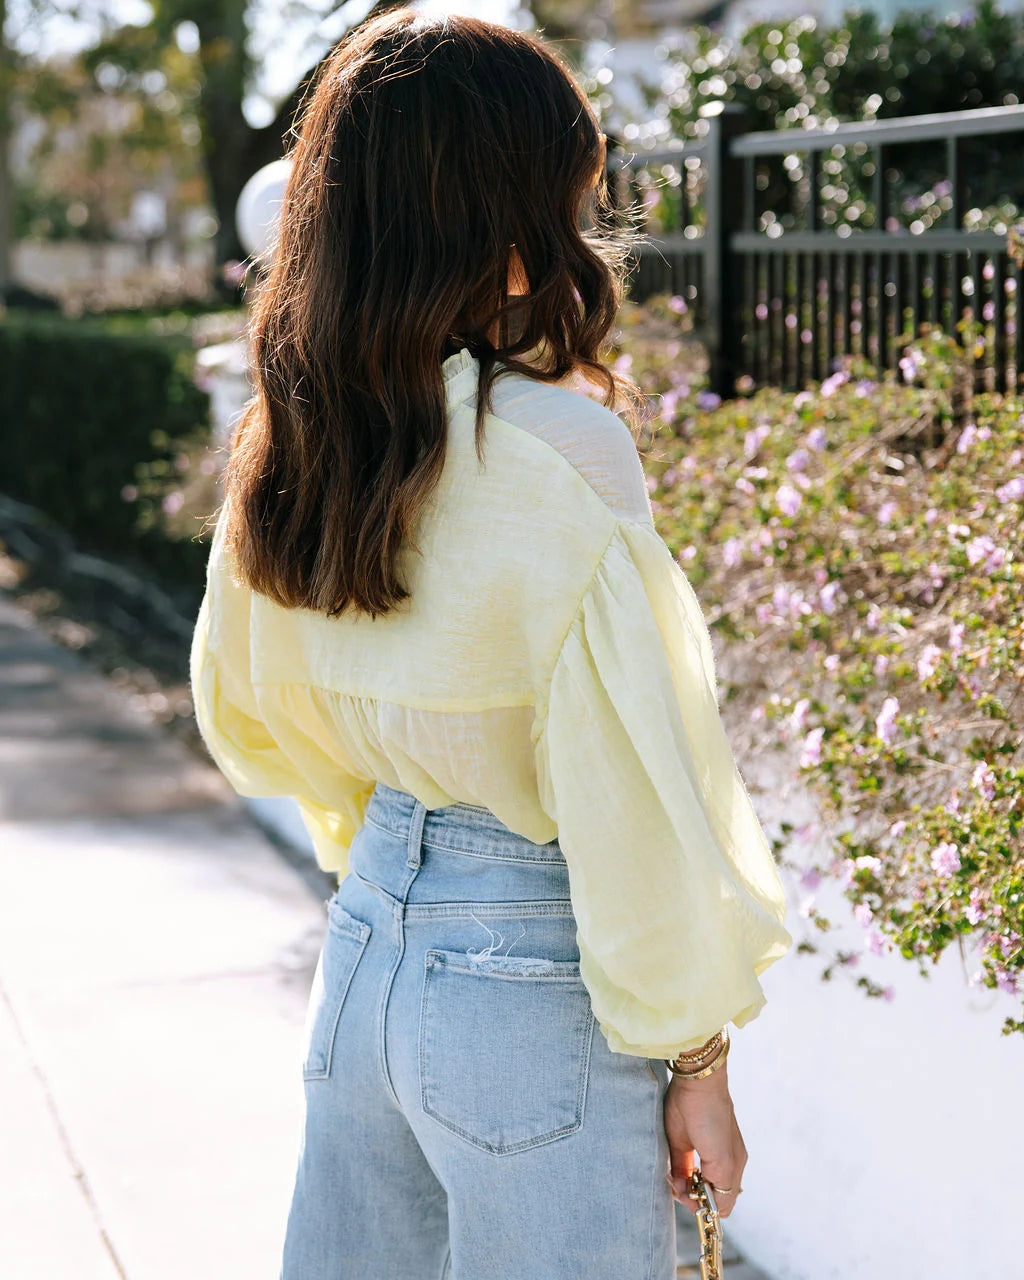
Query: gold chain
{"points": [[709, 1227], [718, 1061]]}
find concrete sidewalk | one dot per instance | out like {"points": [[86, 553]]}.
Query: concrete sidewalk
{"points": [[156, 953], [155, 958]]}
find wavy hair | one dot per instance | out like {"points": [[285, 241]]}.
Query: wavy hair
{"points": [[432, 156]]}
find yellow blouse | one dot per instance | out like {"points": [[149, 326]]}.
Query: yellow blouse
{"points": [[553, 666]]}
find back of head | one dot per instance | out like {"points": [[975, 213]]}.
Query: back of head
{"points": [[433, 157]]}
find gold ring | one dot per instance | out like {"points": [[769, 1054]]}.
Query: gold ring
{"points": [[726, 1191]]}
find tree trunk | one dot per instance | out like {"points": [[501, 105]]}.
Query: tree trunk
{"points": [[6, 183], [233, 149], [225, 130]]}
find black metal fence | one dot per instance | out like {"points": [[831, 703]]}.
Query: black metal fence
{"points": [[778, 295]]}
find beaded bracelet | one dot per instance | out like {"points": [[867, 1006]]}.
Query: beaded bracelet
{"points": [[707, 1048], [718, 1061]]}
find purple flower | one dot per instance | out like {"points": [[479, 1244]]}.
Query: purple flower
{"points": [[1012, 490], [886, 512], [789, 603], [801, 398], [798, 460], [816, 439], [983, 780], [945, 859], [885, 725], [1005, 980], [864, 388], [956, 637], [788, 499], [669, 404], [874, 942], [831, 385], [678, 305], [911, 365], [881, 665], [810, 754], [753, 440], [970, 435], [799, 714], [708, 400], [810, 878], [863, 914], [888, 993], [828, 595], [928, 661], [832, 663], [984, 549], [897, 828], [732, 552], [974, 909]]}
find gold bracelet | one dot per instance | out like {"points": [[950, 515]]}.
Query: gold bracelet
{"points": [[707, 1070], [705, 1050]]}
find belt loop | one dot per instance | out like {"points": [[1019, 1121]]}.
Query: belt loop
{"points": [[419, 813]]}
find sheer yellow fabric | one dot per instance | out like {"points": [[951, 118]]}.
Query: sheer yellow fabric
{"points": [[634, 766], [552, 665]]}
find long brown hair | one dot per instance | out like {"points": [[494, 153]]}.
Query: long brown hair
{"points": [[428, 150]]}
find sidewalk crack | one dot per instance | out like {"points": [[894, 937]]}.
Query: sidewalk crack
{"points": [[80, 1176]]}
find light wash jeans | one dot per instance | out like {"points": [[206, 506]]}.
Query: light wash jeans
{"points": [[465, 1118]]}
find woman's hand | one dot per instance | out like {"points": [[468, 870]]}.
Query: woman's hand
{"points": [[699, 1120]]}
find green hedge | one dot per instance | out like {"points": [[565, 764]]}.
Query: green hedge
{"points": [[81, 407]]}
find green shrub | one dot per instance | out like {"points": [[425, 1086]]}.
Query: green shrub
{"points": [[872, 551], [82, 409]]}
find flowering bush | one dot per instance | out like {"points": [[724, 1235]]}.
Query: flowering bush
{"points": [[873, 542]]}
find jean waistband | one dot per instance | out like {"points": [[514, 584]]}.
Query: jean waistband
{"points": [[458, 828]]}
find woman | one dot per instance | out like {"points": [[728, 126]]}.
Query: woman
{"points": [[439, 616]]}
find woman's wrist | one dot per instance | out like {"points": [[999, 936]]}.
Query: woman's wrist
{"points": [[716, 1082]]}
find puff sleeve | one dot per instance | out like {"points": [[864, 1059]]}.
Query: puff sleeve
{"points": [[674, 885], [228, 714]]}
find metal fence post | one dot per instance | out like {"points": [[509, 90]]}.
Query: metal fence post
{"points": [[723, 205]]}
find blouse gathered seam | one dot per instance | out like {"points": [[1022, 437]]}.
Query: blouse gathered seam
{"points": [[438, 706]]}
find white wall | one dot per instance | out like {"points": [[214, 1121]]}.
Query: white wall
{"points": [[885, 1138]]}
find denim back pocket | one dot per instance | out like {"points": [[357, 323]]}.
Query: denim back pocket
{"points": [[342, 950], [504, 1048]]}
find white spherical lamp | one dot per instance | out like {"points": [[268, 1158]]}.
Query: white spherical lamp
{"points": [[259, 208]]}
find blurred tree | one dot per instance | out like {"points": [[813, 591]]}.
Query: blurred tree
{"points": [[6, 189], [232, 148], [105, 140]]}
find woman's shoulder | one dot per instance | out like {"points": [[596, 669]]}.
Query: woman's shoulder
{"points": [[586, 435]]}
